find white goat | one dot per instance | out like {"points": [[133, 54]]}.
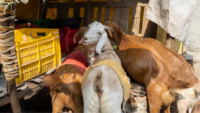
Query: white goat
{"points": [[109, 97]]}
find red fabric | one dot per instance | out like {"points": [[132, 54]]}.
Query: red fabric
{"points": [[25, 25], [66, 39], [78, 59]]}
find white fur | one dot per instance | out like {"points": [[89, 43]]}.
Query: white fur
{"points": [[112, 95], [93, 35], [111, 99], [186, 98], [101, 42]]}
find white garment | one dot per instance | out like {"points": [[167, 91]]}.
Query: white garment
{"points": [[174, 16], [196, 64], [193, 41]]}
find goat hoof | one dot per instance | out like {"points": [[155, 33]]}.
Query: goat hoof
{"points": [[134, 105], [133, 102]]}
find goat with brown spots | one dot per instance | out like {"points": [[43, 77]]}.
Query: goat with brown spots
{"points": [[65, 84], [148, 67]]}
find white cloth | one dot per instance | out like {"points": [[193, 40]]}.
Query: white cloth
{"points": [[193, 41], [196, 64], [174, 16]]}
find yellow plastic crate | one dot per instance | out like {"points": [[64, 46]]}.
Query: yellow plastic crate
{"points": [[39, 55]]}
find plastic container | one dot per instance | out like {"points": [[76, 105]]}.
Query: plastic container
{"points": [[40, 54]]}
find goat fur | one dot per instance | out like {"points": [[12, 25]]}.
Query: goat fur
{"points": [[165, 77], [102, 92], [65, 84]]}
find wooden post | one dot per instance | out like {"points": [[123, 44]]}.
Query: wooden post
{"points": [[14, 101], [43, 9], [88, 14], [11, 71]]}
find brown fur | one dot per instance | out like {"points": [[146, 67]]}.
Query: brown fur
{"points": [[65, 85], [98, 82], [147, 68], [196, 108], [174, 62]]}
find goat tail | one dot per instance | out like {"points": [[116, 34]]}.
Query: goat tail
{"points": [[52, 81], [175, 83], [98, 82]]}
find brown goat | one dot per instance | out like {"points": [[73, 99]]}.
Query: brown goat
{"points": [[147, 68], [178, 68], [65, 84]]}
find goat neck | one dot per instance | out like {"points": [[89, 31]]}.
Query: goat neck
{"points": [[82, 48], [106, 55], [117, 33]]}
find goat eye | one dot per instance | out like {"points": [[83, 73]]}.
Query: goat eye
{"points": [[99, 33]]}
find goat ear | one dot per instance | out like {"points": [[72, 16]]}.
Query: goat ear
{"points": [[109, 32], [75, 36], [80, 42], [106, 27], [101, 43]]}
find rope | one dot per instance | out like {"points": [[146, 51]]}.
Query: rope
{"points": [[7, 43], [6, 6]]}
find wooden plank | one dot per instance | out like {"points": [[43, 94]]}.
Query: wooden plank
{"points": [[120, 16], [77, 12], [71, 3], [161, 35], [55, 5], [21, 94], [99, 14], [117, 3], [40, 10], [76, 4], [80, 4], [136, 20], [135, 2], [88, 12], [151, 30], [107, 14], [109, 2], [99, 3], [92, 15], [62, 12], [145, 20], [84, 20], [43, 9]]}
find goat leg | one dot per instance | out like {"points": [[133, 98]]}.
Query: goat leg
{"points": [[132, 101]]}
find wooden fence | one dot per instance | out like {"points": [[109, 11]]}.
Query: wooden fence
{"points": [[128, 14]]}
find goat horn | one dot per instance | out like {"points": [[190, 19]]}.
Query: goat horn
{"points": [[75, 36], [106, 27]]}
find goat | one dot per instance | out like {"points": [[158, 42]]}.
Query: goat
{"points": [[65, 84], [180, 69], [149, 68], [102, 91]]}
